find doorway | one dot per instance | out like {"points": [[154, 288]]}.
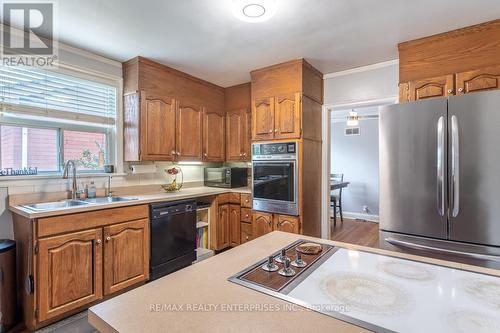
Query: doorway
{"points": [[353, 162]]}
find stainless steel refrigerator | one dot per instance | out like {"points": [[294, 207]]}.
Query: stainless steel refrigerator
{"points": [[440, 175]]}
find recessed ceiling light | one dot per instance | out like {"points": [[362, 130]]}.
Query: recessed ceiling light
{"points": [[254, 10]]}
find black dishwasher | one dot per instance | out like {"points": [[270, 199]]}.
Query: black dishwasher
{"points": [[173, 237]]}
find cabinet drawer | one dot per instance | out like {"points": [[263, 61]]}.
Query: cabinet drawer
{"points": [[234, 198], [246, 215], [246, 232], [80, 221], [223, 199], [246, 200]]}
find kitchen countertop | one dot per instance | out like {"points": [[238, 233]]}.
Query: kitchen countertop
{"points": [[185, 193], [197, 298]]}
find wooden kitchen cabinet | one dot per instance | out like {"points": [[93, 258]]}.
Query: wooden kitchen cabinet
{"points": [[263, 119], [222, 227], [159, 129], [70, 272], [238, 135], [234, 225], [286, 223], [189, 132], [75, 260], [441, 86], [214, 141], [478, 80], [126, 255], [262, 223], [287, 115]]}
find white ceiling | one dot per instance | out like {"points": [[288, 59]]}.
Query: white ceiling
{"points": [[201, 37]]}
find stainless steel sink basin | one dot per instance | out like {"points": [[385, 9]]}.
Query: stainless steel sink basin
{"points": [[109, 200], [56, 205]]}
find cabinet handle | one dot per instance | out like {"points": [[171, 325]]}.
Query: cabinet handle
{"points": [[276, 131], [450, 91], [460, 89], [205, 154], [98, 241], [270, 131], [246, 215], [178, 153], [246, 237], [173, 152], [244, 154], [241, 154], [108, 239]]}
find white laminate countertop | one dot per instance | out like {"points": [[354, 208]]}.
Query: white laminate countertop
{"points": [[199, 298], [185, 193]]}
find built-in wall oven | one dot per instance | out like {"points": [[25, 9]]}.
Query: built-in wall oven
{"points": [[274, 177]]}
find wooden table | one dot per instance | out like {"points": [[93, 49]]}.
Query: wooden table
{"points": [[336, 185]]}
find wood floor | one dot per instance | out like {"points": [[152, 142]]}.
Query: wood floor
{"points": [[356, 232]]}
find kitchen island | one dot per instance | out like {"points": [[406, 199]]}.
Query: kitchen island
{"points": [[201, 299]]}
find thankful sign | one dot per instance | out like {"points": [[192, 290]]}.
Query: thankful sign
{"points": [[29, 171]]}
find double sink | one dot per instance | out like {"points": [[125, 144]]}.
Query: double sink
{"points": [[71, 203]]}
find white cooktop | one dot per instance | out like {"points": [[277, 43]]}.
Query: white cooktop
{"points": [[402, 295]]}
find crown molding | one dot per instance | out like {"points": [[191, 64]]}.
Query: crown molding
{"points": [[362, 69]]}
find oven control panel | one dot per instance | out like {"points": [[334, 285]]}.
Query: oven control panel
{"points": [[269, 150]]}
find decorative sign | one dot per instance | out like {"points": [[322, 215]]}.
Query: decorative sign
{"points": [[29, 171]]}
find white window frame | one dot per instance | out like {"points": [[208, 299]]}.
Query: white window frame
{"points": [[113, 132]]}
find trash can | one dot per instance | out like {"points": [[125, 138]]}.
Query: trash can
{"points": [[8, 289]]}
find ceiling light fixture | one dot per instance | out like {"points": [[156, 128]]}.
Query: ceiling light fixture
{"points": [[254, 10], [352, 119]]}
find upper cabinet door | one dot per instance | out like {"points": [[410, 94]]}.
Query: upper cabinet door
{"points": [[478, 80], [441, 86], [157, 129], [263, 119], [404, 92], [247, 135], [126, 255], [234, 135], [213, 136], [189, 132], [287, 117], [70, 272]]}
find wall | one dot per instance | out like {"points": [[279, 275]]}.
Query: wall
{"points": [[357, 158], [362, 85]]}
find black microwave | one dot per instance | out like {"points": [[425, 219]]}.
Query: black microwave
{"points": [[226, 177]]}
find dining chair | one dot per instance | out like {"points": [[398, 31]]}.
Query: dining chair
{"points": [[336, 198]]}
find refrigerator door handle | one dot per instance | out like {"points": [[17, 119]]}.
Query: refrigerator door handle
{"points": [[455, 167], [440, 166], [417, 246]]}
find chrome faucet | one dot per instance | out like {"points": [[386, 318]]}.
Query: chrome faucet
{"points": [[71, 164], [109, 193]]}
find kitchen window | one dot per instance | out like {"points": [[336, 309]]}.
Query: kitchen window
{"points": [[48, 118]]}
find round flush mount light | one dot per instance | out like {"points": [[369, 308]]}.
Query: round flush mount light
{"points": [[254, 10]]}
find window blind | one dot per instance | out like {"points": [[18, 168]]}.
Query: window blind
{"points": [[37, 92]]}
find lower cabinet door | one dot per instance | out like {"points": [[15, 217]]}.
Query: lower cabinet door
{"points": [[126, 255], [287, 223], [234, 225], [222, 228], [262, 223], [246, 232], [70, 272]]}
